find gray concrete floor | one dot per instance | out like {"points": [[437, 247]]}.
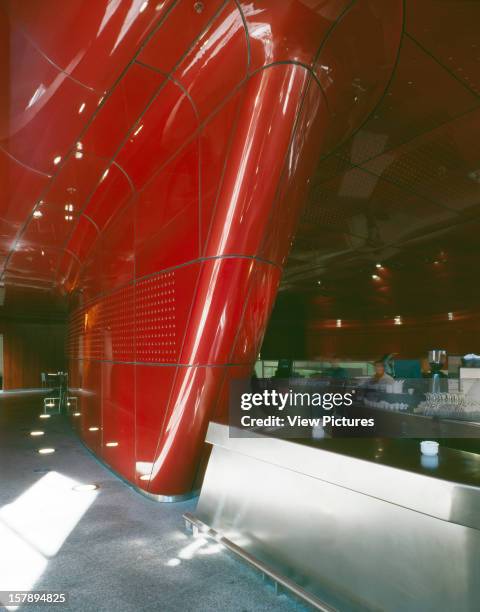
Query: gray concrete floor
{"points": [[112, 550]]}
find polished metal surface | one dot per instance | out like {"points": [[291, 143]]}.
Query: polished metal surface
{"points": [[199, 527], [357, 534], [449, 492], [436, 356], [166, 498]]}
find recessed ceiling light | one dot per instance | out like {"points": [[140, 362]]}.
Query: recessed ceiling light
{"points": [[319, 282], [37, 214], [46, 451], [397, 320], [375, 277], [339, 322], [37, 433], [93, 429], [85, 487], [450, 316], [378, 265], [44, 416], [57, 160], [111, 444], [77, 414]]}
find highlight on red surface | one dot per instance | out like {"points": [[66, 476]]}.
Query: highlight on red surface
{"points": [[174, 152]]}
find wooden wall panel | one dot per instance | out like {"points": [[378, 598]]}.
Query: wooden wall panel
{"points": [[29, 349], [407, 341], [295, 333]]}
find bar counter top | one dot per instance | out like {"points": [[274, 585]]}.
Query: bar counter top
{"points": [[456, 466], [392, 470]]}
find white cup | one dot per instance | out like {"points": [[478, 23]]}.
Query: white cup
{"points": [[429, 448]]}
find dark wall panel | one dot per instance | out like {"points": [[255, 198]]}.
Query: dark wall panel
{"points": [[408, 340], [29, 349]]}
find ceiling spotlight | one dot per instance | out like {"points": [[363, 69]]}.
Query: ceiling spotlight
{"points": [[111, 444], [78, 155], [319, 282], [93, 429], [375, 277], [436, 262], [44, 416], [46, 451], [450, 316], [37, 214], [69, 207], [378, 266], [57, 160], [77, 414], [397, 320], [85, 487], [339, 322], [37, 433]]}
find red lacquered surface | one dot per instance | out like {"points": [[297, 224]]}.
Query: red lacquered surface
{"points": [[118, 417], [175, 143]]}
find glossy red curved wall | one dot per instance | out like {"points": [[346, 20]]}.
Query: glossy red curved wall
{"points": [[185, 136]]}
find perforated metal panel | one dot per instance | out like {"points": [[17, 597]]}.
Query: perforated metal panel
{"points": [[118, 323], [155, 314], [73, 334]]}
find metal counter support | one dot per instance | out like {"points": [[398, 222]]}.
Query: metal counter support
{"points": [[198, 527], [345, 530]]}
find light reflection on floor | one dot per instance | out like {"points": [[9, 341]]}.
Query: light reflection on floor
{"points": [[111, 548], [34, 527]]}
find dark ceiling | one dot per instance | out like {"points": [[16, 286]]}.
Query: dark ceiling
{"points": [[404, 190]]}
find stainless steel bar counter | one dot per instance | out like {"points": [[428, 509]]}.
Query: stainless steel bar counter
{"points": [[358, 524]]}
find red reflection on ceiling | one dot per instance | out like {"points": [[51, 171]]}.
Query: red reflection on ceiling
{"points": [[156, 157]]}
